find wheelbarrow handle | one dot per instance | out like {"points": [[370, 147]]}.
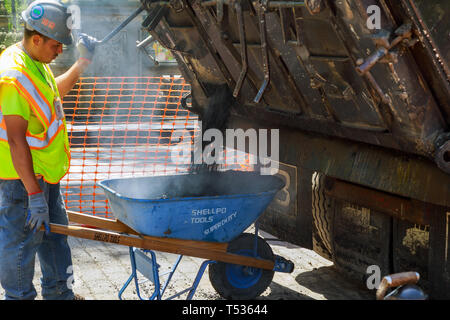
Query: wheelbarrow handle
{"points": [[395, 280], [199, 249]]}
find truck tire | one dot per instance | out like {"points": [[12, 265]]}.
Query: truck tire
{"points": [[322, 213], [237, 282]]}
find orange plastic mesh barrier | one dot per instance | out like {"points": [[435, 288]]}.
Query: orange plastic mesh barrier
{"points": [[125, 127]]}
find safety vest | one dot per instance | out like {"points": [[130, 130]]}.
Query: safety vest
{"points": [[49, 149]]}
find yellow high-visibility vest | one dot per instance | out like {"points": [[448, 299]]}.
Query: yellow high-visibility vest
{"points": [[50, 148]]}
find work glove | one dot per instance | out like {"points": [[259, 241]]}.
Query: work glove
{"points": [[38, 212], [86, 46]]}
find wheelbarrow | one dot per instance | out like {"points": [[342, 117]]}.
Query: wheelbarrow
{"points": [[201, 215]]}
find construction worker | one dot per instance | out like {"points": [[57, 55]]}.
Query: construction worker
{"points": [[34, 153]]}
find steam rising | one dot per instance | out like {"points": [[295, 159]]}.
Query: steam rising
{"points": [[198, 185], [119, 56]]}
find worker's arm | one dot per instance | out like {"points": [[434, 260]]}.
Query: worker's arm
{"points": [[16, 127], [38, 214], [86, 48], [67, 80]]}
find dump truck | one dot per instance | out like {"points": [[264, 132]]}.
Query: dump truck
{"points": [[359, 91]]}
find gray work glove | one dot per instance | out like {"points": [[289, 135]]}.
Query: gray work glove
{"points": [[38, 212], [86, 46]]}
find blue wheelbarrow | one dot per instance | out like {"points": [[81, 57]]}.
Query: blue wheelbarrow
{"points": [[201, 215]]}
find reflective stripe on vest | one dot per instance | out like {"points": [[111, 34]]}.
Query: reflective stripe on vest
{"points": [[40, 105], [35, 142]]}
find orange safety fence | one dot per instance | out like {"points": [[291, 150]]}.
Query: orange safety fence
{"points": [[124, 127]]}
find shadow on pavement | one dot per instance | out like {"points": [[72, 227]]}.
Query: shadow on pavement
{"points": [[328, 282], [279, 292]]}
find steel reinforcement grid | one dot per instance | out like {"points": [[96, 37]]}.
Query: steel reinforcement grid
{"points": [[125, 127]]}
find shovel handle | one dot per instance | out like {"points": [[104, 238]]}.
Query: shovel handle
{"points": [[395, 280], [122, 25]]}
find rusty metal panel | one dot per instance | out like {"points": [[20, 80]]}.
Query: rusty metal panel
{"points": [[400, 208], [439, 272], [315, 66], [289, 213], [377, 168]]}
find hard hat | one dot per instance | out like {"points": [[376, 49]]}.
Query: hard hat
{"points": [[50, 19]]}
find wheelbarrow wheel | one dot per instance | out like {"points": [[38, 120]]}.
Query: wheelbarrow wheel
{"points": [[239, 282]]}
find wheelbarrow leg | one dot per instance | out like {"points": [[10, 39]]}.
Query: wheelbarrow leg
{"points": [[194, 286], [132, 276], [140, 261], [125, 285], [199, 276], [174, 268]]}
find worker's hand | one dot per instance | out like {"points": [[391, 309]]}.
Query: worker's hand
{"points": [[38, 212], [86, 46]]}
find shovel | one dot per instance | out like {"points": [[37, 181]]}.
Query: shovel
{"points": [[121, 26]]}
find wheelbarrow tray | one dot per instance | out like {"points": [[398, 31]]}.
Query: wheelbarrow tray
{"points": [[210, 206]]}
